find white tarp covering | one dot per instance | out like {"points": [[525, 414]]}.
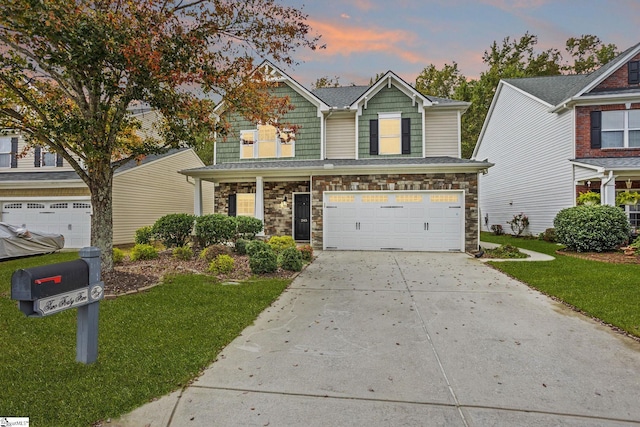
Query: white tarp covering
{"points": [[17, 241]]}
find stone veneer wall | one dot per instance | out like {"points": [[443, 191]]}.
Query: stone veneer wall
{"points": [[278, 220], [444, 181]]}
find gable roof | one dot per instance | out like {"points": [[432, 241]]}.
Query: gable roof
{"points": [[340, 97], [557, 91]]}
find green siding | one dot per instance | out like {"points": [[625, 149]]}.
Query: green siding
{"points": [[304, 115], [390, 100]]}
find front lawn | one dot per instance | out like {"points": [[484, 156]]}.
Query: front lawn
{"points": [[149, 345], [609, 292]]}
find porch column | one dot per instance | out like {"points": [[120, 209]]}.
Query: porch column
{"points": [[197, 197], [259, 207], [608, 190]]}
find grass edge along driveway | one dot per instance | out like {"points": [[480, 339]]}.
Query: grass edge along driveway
{"points": [[150, 344], [605, 291]]}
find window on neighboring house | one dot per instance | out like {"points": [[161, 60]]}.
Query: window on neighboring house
{"points": [[265, 142], [45, 157], [615, 129], [49, 159], [5, 152], [242, 204], [633, 211], [634, 72], [390, 134]]}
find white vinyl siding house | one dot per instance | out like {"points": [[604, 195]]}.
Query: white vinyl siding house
{"points": [[442, 133], [530, 149], [341, 136]]}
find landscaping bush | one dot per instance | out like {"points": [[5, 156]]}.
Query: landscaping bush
{"points": [[280, 243], [241, 246], [306, 252], [263, 261], [248, 227], [291, 259], [518, 224], [256, 246], [118, 256], [184, 253], [140, 252], [222, 264], [143, 235], [595, 228], [173, 230], [212, 252], [497, 229], [505, 251], [215, 228], [549, 235]]}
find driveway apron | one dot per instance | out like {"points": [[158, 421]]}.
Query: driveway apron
{"points": [[393, 339]]}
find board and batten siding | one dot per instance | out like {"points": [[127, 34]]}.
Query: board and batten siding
{"points": [[530, 148], [341, 136], [442, 133], [146, 192]]}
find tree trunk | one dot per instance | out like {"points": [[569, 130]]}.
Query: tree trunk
{"points": [[102, 218]]}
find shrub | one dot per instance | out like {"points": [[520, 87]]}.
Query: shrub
{"points": [[549, 235], [144, 235], [256, 246], [505, 251], [215, 228], [118, 255], [248, 227], [280, 243], [264, 261], [518, 224], [291, 259], [184, 253], [306, 252], [594, 228], [497, 229], [222, 264], [173, 230], [241, 246], [212, 252], [140, 252]]}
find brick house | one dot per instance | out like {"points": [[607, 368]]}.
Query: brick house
{"points": [[554, 137], [367, 168]]}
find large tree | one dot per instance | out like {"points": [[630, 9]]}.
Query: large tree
{"points": [[70, 71]]}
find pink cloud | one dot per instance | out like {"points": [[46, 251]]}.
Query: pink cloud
{"points": [[511, 5], [364, 5], [345, 40]]}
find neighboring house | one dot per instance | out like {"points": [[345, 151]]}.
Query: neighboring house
{"points": [[359, 168], [42, 192], [552, 138]]}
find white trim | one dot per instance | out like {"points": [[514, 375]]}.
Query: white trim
{"points": [[45, 198]]}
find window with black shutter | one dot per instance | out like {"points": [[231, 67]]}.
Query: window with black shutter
{"points": [[596, 129], [14, 152], [373, 137], [232, 205], [406, 136], [37, 154], [634, 72]]}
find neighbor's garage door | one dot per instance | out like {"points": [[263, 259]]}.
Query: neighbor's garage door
{"points": [[408, 221], [72, 219]]}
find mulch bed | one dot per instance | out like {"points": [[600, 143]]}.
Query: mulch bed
{"points": [[135, 276], [615, 257]]}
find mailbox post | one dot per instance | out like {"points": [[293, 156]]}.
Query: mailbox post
{"points": [[49, 289]]}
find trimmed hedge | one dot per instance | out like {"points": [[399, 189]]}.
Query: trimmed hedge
{"points": [[256, 246], [291, 259], [263, 261], [143, 252], [248, 227], [595, 228], [215, 228], [173, 230]]}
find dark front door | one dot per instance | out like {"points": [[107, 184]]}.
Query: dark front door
{"points": [[302, 216]]}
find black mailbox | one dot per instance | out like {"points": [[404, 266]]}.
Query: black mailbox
{"points": [[30, 284]]}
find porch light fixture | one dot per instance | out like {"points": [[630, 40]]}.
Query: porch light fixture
{"points": [[628, 184], [283, 203]]}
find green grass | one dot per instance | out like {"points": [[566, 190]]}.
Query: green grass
{"points": [[609, 292], [149, 345]]}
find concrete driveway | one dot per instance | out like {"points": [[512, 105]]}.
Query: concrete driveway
{"points": [[411, 339]]}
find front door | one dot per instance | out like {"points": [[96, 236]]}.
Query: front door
{"points": [[302, 217]]}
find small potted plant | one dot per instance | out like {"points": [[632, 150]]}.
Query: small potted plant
{"points": [[589, 198], [627, 198]]}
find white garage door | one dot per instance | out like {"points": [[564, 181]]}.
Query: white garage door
{"points": [[407, 221], [70, 218]]}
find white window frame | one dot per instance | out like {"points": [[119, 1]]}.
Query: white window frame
{"points": [[5, 154], [381, 137], [625, 129], [279, 143], [246, 207], [50, 154]]}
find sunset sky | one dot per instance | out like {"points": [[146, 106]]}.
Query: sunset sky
{"points": [[365, 37]]}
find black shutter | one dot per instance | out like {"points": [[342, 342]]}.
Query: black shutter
{"points": [[373, 137], [634, 72], [232, 205], [58, 160], [596, 129], [14, 152], [37, 154], [406, 136]]}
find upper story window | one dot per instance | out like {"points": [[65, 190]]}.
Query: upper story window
{"points": [[5, 152], [634, 72], [265, 142], [44, 157], [389, 126], [621, 129]]}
